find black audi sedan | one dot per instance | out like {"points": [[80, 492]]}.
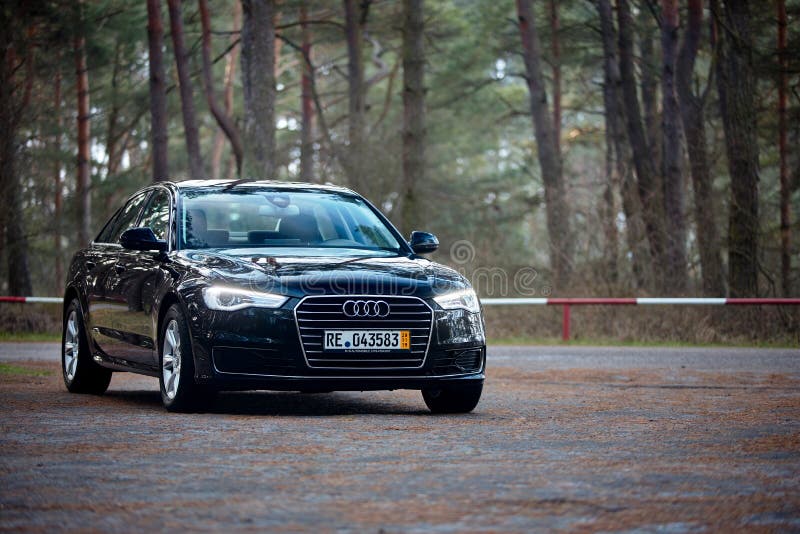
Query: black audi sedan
{"points": [[231, 285]]}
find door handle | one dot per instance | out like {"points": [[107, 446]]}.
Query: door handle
{"points": [[119, 268]]}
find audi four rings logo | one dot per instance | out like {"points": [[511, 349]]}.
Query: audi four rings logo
{"points": [[365, 308]]}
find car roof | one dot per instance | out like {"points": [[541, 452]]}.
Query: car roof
{"points": [[240, 184]]}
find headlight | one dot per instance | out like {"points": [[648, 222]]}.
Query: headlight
{"points": [[231, 299], [466, 299]]}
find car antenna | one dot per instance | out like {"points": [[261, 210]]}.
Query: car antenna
{"points": [[235, 183]]}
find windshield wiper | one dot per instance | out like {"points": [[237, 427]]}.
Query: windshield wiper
{"points": [[235, 183], [371, 257]]}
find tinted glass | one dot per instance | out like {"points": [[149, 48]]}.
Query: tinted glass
{"points": [[105, 233], [156, 214], [256, 217], [127, 217]]}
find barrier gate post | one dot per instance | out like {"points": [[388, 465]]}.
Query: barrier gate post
{"points": [[565, 323]]}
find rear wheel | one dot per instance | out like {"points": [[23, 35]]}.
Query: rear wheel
{"points": [[179, 392], [452, 399], [81, 373]]}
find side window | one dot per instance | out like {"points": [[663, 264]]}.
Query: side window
{"points": [[105, 233], [127, 217], [156, 214]]}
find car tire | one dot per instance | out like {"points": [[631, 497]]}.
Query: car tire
{"points": [[81, 373], [179, 392], [461, 399]]}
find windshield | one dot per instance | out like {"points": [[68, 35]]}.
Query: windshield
{"points": [[249, 217]]}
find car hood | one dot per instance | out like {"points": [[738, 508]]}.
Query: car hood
{"points": [[323, 273]]}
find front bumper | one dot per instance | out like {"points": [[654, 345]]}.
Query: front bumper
{"points": [[260, 349], [338, 383]]}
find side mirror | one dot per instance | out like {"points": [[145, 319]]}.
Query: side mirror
{"points": [[141, 238], [423, 242]]}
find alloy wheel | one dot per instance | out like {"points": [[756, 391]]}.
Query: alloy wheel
{"points": [[171, 359], [71, 346]]}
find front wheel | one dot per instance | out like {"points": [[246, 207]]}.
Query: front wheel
{"points": [[179, 392], [453, 399], [81, 373]]}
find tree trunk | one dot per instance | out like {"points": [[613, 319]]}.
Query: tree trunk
{"points": [[355, 84], [306, 104], [736, 86], [224, 121], [276, 21], [693, 115], [783, 86], [608, 216], [635, 227], [58, 195], [555, 44], [649, 182], [12, 107], [187, 94], [615, 135], [19, 280], [258, 84], [84, 178], [7, 130], [558, 222], [113, 156], [607, 209], [676, 269], [648, 66], [230, 73], [413, 114], [158, 92]]}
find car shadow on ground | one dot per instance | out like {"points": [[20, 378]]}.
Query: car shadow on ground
{"points": [[284, 403]]}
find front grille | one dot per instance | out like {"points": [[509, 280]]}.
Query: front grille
{"points": [[316, 314]]}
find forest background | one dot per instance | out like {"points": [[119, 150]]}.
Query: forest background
{"points": [[556, 148]]}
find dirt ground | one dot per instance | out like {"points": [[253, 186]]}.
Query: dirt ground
{"points": [[659, 446]]}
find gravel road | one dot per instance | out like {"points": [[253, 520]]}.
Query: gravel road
{"points": [[565, 438]]}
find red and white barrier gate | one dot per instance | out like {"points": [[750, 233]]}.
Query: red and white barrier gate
{"points": [[565, 303], [23, 300]]}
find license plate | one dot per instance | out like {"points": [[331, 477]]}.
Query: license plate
{"points": [[366, 340]]}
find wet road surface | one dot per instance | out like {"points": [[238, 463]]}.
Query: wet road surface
{"points": [[565, 438]]}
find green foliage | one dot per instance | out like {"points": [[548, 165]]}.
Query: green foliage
{"points": [[483, 181], [8, 369]]}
